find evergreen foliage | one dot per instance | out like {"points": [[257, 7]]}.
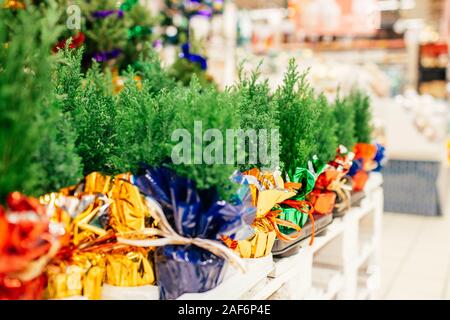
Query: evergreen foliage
{"points": [[95, 121], [257, 110], [363, 116], [325, 139], [182, 70], [37, 154], [215, 110], [297, 116], [344, 115]]}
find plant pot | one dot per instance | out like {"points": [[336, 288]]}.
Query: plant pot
{"points": [[323, 201], [288, 248], [359, 180], [366, 151], [186, 269], [257, 246], [15, 289], [81, 277], [129, 267]]}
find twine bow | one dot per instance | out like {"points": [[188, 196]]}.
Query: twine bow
{"points": [[342, 187], [168, 236]]}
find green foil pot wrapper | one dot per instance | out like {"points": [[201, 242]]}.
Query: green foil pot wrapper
{"points": [[307, 179], [292, 215]]}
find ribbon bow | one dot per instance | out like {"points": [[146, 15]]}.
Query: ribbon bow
{"points": [[168, 236]]}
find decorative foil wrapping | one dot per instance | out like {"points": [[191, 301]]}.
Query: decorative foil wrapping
{"points": [[359, 180], [297, 210], [336, 178], [129, 267], [257, 246], [28, 241], [270, 194], [16, 289], [127, 210], [190, 257], [82, 275], [364, 162], [94, 212], [380, 157], [323, 201]]}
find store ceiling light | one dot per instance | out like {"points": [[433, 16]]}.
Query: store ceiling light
{"points": [[388, 5], [393, 5]]}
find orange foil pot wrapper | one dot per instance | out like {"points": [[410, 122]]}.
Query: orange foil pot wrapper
{"points": [[323, 201], [28, 241], [359, 180], [366, 151]]}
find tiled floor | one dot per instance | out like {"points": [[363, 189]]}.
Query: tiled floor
{"points": [[415, 257]]}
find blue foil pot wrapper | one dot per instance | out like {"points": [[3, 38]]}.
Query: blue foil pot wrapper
{"points": [[201, 270]]}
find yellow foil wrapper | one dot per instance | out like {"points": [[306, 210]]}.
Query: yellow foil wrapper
{"points": [[82, 276], [257, 246], [128, 210], [82, 230], [97, 183], [129, 268]]}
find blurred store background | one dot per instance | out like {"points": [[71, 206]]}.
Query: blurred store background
{"points": [[398, 50]]}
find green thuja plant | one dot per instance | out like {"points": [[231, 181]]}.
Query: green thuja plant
{"points": [[257, 111], [57, 155], [95, 121], [36, 149], [154, 77], [135, 124], [183, 70], [68, 78], [115, 133], [297, 118], [208, 109], [325, 131], [344, 115], [363, 116]]}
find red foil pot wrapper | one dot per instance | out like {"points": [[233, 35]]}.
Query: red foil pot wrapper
{"points": [[24, 233], [323, 201], [359, 180], [15, 289], [326, 178]]}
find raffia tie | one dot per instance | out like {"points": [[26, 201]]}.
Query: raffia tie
{"points": [[343, 190], [168, 236]]}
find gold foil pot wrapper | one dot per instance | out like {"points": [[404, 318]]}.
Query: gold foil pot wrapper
{"points": [[128, 210], [129, 267], [257, 246], [81, 276]]}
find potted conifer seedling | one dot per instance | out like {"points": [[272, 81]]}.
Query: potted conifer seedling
{"points": [[193, 196], [299, 116], [365, 152], [323, 196]]}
